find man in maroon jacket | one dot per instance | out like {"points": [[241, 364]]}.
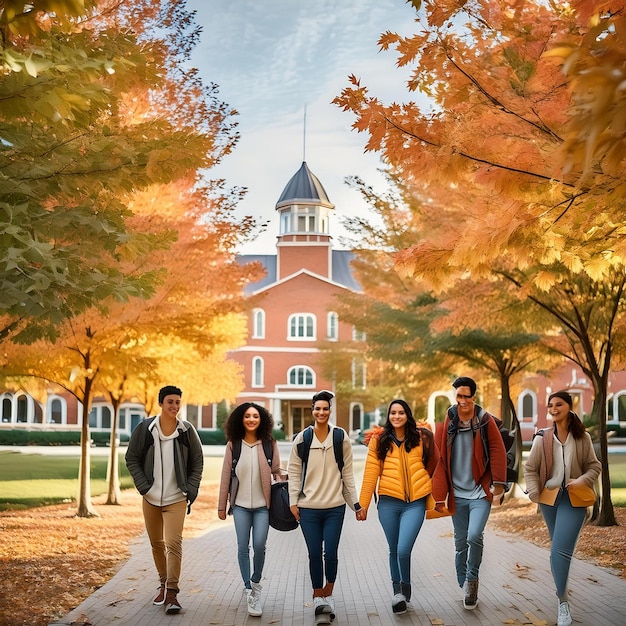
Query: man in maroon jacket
{"points": [[468, 479]]}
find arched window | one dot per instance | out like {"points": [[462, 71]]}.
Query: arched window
{"points": [[302, 326], [257, 371], [258, 324], [619, 407], [301, 376], [333, 326], [23, 409], [441, 405], [57, 410], [527, 406], [100, 417], [7, 404], [356, 417]]}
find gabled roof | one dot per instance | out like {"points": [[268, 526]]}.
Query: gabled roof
{"points": [[341, 272], [306, 188]]}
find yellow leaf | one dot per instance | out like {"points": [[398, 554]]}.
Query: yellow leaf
{"points": [[545, 280], [597, 268]]}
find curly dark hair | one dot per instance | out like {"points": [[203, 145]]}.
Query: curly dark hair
{"points": [[233, 426], [412, 436]]}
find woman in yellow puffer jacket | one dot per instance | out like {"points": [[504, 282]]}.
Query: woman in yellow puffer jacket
{"points": [[401, 458]]}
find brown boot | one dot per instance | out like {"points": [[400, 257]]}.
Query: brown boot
{"points": [[160, 599], [171, 601]]}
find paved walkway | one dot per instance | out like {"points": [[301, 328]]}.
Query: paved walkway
{"points": [[515, 584]]}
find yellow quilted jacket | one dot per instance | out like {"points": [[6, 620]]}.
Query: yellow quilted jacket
{"points": [[401, 475]]}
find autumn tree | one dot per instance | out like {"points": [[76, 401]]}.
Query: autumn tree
{"points": [[514, 182], [125, 131]]}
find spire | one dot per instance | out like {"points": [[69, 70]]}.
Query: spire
{"points": [[304, 187]]}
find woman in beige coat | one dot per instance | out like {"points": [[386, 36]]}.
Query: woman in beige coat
{"points": [[561, 463]]}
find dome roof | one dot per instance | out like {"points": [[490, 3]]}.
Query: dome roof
{"points": [[304, 188]]}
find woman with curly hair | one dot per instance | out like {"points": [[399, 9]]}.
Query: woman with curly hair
{"points": [[401, 459], [249, 433]]}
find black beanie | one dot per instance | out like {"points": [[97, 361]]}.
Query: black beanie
{"points": [[169, 390]]}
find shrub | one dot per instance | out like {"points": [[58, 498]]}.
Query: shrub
{"points": [[22, 437], [213, 437]]}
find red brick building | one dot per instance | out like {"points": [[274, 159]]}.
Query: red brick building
{"points": [[295, 311]]}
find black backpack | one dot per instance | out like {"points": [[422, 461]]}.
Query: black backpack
{"points": [[281, 517], [509, 439], [304, 447]]}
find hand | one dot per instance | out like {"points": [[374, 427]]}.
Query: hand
{"points": [[296, 511], [498, 494], [361, 515], [221, 515], [576, 482]]}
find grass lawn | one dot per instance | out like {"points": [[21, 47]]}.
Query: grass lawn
{"points": [[28, 480]]}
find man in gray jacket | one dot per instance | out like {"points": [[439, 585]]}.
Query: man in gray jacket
{"points": [[165, 460]]}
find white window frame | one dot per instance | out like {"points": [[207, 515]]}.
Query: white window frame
{"points": [[54, 398], [332, 326], [299, 321], [303, 370], [258, 371], [258, 324]]}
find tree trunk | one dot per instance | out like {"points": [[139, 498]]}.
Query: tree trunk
{"points": [[606, 514], [85, 508], [113, 467]]}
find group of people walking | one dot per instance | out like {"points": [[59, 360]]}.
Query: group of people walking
{"points": [[412, 473]]}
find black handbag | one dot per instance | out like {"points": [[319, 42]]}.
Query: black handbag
{"points": [[281, 517]]}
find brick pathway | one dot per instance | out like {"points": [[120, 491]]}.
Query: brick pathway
{"points": [[515, 584]]}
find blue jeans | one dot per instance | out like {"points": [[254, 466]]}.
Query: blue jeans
{"points": [[256, 521], [401, 522], [322, 530], [564, 523], [469, 523]]}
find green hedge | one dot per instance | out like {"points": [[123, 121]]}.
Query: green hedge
{"points": [[620, 429], [218, 438], [72, 437], [39, 438], [212, 437], [104, 438]]}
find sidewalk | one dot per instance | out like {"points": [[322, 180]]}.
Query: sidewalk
{"points": [[515, 585]]}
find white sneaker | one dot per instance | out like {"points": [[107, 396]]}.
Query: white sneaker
{"points": [[253, 600], [322, 605], [398, 604], [565, 618], [331, 603]]}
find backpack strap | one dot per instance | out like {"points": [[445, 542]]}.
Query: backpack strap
{"points": [[304, 447], [338, 447], [236, 444], [268, 449]]}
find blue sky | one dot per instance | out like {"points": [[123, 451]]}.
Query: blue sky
{"points": [[273, 58]]}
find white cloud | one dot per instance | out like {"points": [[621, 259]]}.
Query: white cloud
{"points": [[273, 58]]}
